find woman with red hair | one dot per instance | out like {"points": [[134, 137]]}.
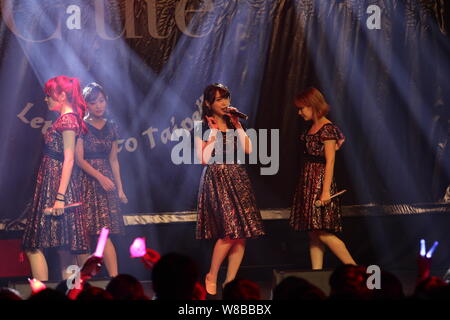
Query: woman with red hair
{"points": [[321, 141], [49, 224]]}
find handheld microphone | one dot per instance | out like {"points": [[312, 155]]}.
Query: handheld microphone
{"points": [[238, 114], [319, 203]]}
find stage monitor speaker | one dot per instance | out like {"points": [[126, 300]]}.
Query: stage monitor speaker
{"points": [[319, 278]]}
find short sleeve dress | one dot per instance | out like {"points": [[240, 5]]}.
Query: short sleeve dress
{"points": [[101, 207], [67, 231], [305, 216]]}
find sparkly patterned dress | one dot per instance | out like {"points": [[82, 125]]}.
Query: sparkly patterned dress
{"points": [[226, 204], [67, 231], [101, 207], [304, 215]]}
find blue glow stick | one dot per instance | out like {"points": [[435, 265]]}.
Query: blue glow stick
{"points": [[422, 248], [430, 252]]}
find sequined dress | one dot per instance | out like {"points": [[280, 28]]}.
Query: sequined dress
{"points": [[67, 231], [101, 207], [226, 203], [305, 215]]}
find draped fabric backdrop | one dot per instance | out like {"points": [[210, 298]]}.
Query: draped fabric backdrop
{"points": [[387, 87]]}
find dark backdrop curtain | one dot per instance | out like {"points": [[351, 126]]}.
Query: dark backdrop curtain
{"points": [[388, 90]]}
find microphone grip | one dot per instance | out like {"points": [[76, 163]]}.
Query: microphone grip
{"points": [[239, 114]]}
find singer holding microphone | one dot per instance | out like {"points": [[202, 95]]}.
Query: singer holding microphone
{"points": [[226, 207], [321, 219]]}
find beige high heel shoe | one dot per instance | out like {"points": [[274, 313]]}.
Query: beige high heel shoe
{"points": [[211, 287]]}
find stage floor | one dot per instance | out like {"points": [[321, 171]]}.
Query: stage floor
{"points": [[387, 236]]}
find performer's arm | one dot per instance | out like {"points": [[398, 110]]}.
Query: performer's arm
{"points": [[244, 140], [105, 182], [69, 150], [330, 154], [204, 149], [114, 161]]}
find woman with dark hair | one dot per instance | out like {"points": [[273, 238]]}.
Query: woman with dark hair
{"points": [[101, 184], [226, 204], [321, 141], [49, 224]]}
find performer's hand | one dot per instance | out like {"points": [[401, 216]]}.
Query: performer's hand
{"points": [[212, 123], [325, 197], [106, 183], [423, 267], [57, 209], [123, 198], [234, 118], [424, 260], [91, 267], [150, 258]]}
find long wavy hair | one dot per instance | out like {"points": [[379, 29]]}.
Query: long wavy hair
{"points": [[209, 96], [71, 86]]}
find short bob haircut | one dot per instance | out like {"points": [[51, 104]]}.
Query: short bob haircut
{"points": [[313, 98]]}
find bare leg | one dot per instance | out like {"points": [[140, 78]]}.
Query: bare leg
{"points": [[39, 268], [316, 250], [337, 246], [234, 259], [221, 249], [110, 259], [65, 260], [81, 259]]}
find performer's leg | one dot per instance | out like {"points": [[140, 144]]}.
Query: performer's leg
{"points": [[39, 268], [234, 259], [316, 250], [337, 246], [221, 249], [110, 259], [66, 258]]}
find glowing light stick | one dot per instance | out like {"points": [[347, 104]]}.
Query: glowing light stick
{"points": [[430, 252], [36, 285], [138, 248], [101, 243], [422, 248]]}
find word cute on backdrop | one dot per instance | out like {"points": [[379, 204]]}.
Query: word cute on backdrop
{"points": [[74, 14]]}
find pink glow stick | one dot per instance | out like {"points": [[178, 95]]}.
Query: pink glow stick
{"points": [[101, 243], [138, 248]]}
